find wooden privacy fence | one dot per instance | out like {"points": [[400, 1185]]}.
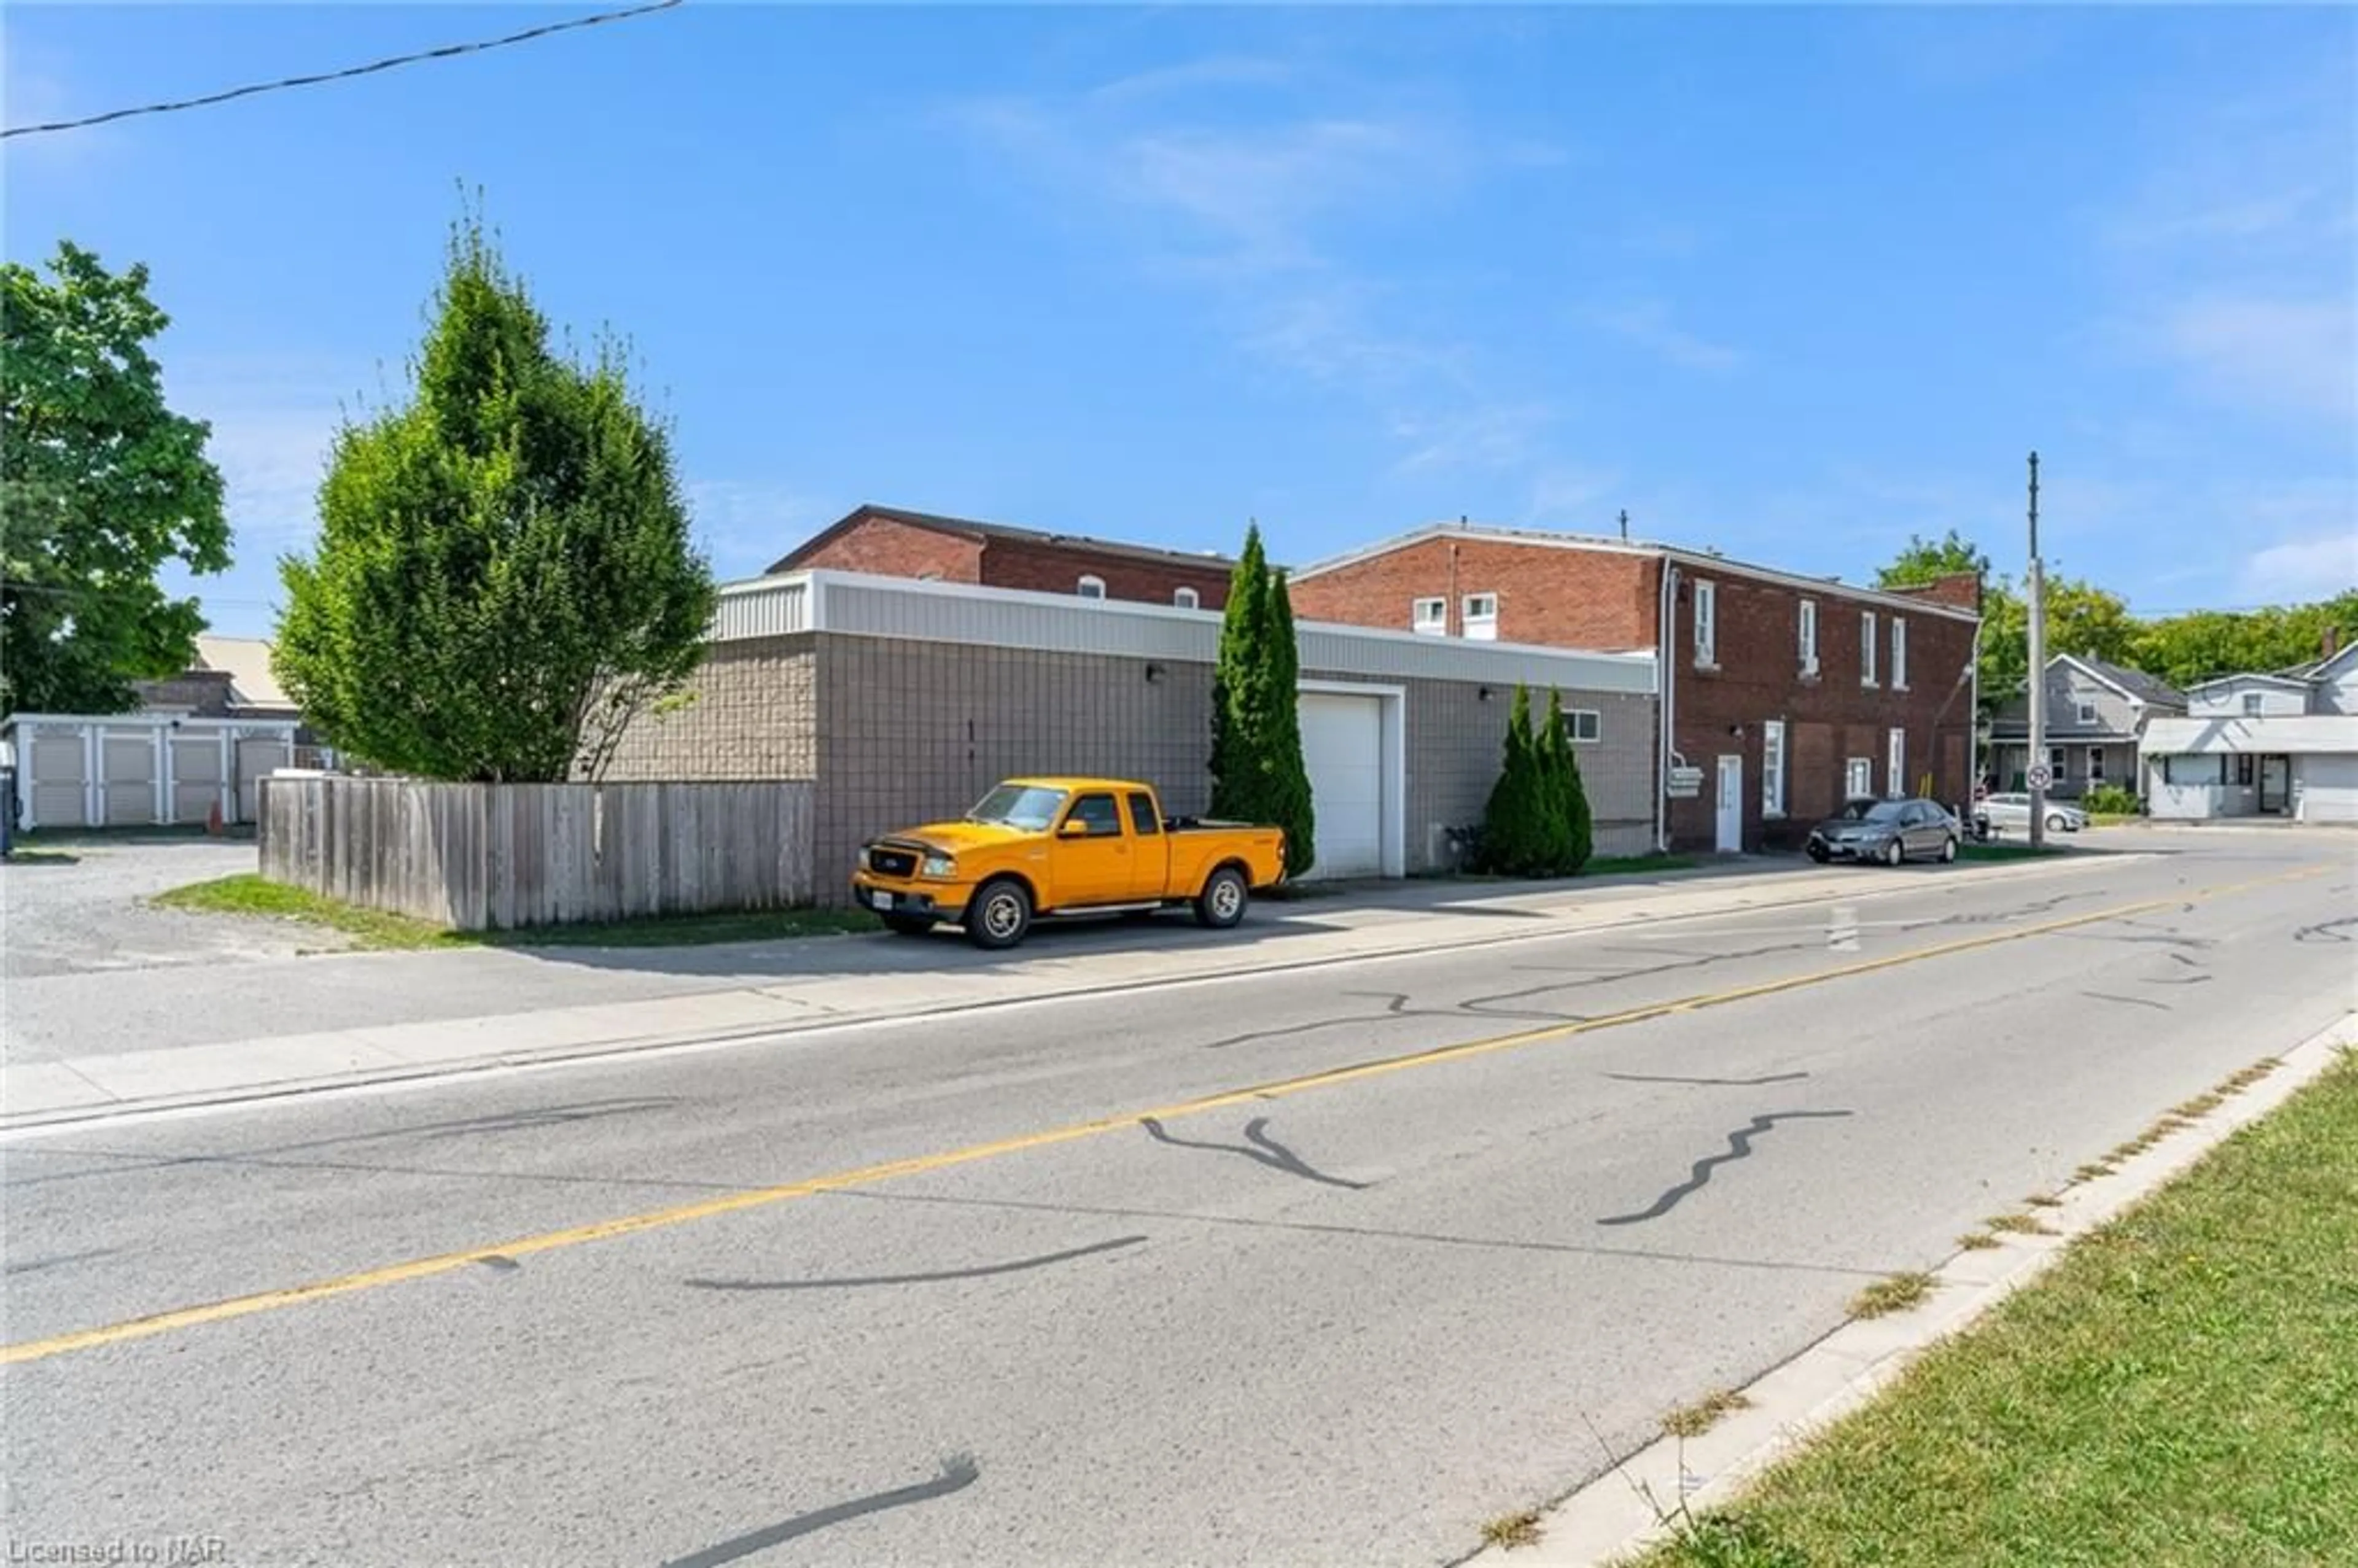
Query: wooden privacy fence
{"points": [[493, 857]]}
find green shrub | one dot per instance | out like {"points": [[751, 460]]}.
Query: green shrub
{"points": [[2109, 799]]}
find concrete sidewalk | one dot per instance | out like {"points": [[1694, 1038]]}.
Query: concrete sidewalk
{"points": [[777, 989]]}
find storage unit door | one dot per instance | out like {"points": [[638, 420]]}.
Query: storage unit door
{"points": [[2329, 789], [1343, 748], [60, 793], [128, 759], [258, 757], [196, 764]]}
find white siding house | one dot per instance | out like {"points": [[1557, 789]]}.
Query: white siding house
{"points": [[2260, 745]]}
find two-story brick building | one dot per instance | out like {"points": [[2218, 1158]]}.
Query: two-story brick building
{"points": [[886, 541], [1781, 695]]}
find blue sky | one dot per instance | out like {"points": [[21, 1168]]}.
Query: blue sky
{"points": [[1789, 283]]}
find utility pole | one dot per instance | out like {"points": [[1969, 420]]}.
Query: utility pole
{"points": [[2036, 772]]}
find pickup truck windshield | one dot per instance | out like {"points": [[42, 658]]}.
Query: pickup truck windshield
{"points": [[1019, 805]]}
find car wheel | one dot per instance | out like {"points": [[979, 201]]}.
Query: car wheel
{"points": [[2056, 824], [1820, 853], [1222, 903], [999, 916], [1948, 850], [1893, 854], [908, 924]]}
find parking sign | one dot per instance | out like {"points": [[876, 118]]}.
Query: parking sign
{"points": [[2040, 778]]}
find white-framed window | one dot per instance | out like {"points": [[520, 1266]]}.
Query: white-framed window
{"points": [[1867, 647], [1429, 616], [1858, 777], [2087, 714], [1481, 611], [1091, 587], [1898, 653], [2250, 705], [1772, 768], [2096, 765], [1896, 765], [1584, 725], [1706, 623], [1808, 636], [1186, 599]]}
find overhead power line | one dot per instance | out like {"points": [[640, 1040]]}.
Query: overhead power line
{"points": [[447, 51]]}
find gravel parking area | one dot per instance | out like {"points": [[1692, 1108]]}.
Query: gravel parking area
{"points": [[75, 906]]}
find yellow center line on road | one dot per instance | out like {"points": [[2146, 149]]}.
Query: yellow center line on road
{"points": [[868, 1176]]}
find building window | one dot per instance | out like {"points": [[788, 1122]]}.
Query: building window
{"points": [[1772, 768], [1482, 617], [2087, 715], [1899, 654], [2244, 768], [1706, 624], [2096, 765], [1429, 616], [1808, 636], [1895, 764], [2057, 761], [1585, 725], [2250, 705], [1091, 588], [1858, 777], [1186, 599], [1867, 647]]}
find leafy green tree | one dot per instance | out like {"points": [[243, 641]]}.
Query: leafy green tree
{"points": [[505, 576], [1928, 560], [1258, 773], [101, 484], [2205, 643], [2081, 619]]}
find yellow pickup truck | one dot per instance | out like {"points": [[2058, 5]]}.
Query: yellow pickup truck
{"points": [[1062, 847]]}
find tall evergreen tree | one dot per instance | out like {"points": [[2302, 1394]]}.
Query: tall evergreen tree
{"points": [[1292, 808], [1578, 827], [1258, 774]]}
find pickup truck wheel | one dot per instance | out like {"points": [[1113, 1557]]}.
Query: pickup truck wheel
{"points": [[1222, 903], [999, 916]]}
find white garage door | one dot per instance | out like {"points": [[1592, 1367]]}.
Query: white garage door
{"points": [[2329, 789], [1343, 748]]}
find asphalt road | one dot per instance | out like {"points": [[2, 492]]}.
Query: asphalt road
{"points": [[1322, 1267]]}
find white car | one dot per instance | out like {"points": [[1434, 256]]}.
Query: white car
{"points": [[2011, 813]]}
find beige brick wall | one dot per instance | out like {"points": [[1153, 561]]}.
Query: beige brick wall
{"points": [[1456, 744], [897, 732], [753, 717], [917, 731]]}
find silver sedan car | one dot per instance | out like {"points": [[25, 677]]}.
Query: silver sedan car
{"points": [[2011, 813]]}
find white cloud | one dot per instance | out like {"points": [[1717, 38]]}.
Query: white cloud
{"points": [[1248, 207], [1503, 437], [2300, 570], [745, 525], [2297, 356], [1648, 324]]}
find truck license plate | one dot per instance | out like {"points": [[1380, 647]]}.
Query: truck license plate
{"points": [[883, 901]]}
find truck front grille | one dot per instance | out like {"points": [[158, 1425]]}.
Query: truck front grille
{"points": [[892, 863]]}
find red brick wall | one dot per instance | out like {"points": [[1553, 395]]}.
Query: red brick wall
{"points": [[1056, 569], [1547, 595], [1963, 589], [1827, 721], [885, 546]]}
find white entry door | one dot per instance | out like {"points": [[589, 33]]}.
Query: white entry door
{"points": [[1730, 802], [1343, 751]]}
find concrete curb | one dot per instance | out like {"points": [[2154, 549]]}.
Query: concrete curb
{"points": [[1610, 1519], [76, 1091]]}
